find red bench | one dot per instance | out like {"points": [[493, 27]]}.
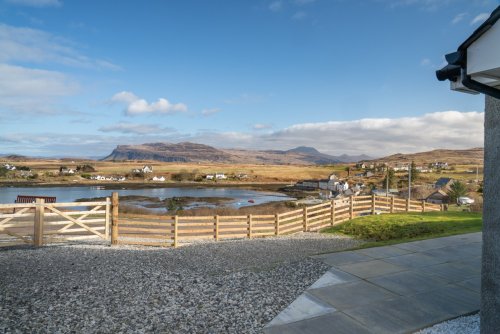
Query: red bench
{"points": [[32, 199]]}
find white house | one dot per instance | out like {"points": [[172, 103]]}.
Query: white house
{"points": [[147, 169], [64, 170], [159, 178], [220, 176], [9, 167], [440, 164], [209, 177]]}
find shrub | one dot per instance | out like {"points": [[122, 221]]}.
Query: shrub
{"points": [[390, 230], [85, 168], [33, 177]]}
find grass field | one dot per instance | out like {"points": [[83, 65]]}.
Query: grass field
{"points": [[388, 229], [47, 171]]}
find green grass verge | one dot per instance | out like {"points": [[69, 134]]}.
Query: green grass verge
{"points": [[387, 229]]}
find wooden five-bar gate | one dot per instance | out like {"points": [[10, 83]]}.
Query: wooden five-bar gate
{"points": [[40, 222]]}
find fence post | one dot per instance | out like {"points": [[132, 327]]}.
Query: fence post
{"points": [[39, 220], [351, 207], [107, 227], [392, 204], [216, 229], [249, 219], [304, 219], [373, 204], [333, 211], [277, 222], [176, 231], [114, 218], [407, 205], [423, 205]]}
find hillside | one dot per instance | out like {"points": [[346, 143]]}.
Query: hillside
{"points": [[192, 152], [473, 156], [182, 152]]}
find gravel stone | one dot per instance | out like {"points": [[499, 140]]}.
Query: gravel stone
{"points": [[206, 287], [460, 325]]}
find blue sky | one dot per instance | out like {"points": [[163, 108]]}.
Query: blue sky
{"points": [[78, 78]]}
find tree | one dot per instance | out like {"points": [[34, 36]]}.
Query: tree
{"points": [[415, 173], [457, 189], [391, 176]]}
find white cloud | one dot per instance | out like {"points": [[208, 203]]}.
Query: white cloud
{"points": [[480, 18], [210, 112], [276, 6], [261, 126], [36, 3], [37, 46], [138, 129], [458, 18], [299, 15], [137, 106], [27, 90], [376, 137], [17, 81]]}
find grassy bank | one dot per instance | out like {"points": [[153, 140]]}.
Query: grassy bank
{"points": [[389, 229]]}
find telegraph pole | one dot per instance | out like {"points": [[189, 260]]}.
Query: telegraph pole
{"points": [[409, 181], [387, 182]]}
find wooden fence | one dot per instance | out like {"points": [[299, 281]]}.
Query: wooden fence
{"points": [[38, 223], [172, 230]]}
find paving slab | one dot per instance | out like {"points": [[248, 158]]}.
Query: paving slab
{"points": [[332, 277], [451, 253], [473, 263], [371, 268], [414, 260], [337, 323], [451, 301], [451, 272], [473, 284], [398, 315], [341, 258], [408, 282], [304, 307], [347, 295], [391, 289], [383, 252]]}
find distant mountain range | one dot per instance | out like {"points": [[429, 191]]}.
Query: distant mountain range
{"points": [[192, 152]]}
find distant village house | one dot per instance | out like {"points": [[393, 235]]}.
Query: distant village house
{"points": [[438, 197], [220, 176], [9, 167], [144, 170]]}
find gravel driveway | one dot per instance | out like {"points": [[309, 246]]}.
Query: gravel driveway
{"points": [[224, 287]]}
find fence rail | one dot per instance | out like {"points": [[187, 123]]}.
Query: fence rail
{"points": [[172, 230], [38, 223]]}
